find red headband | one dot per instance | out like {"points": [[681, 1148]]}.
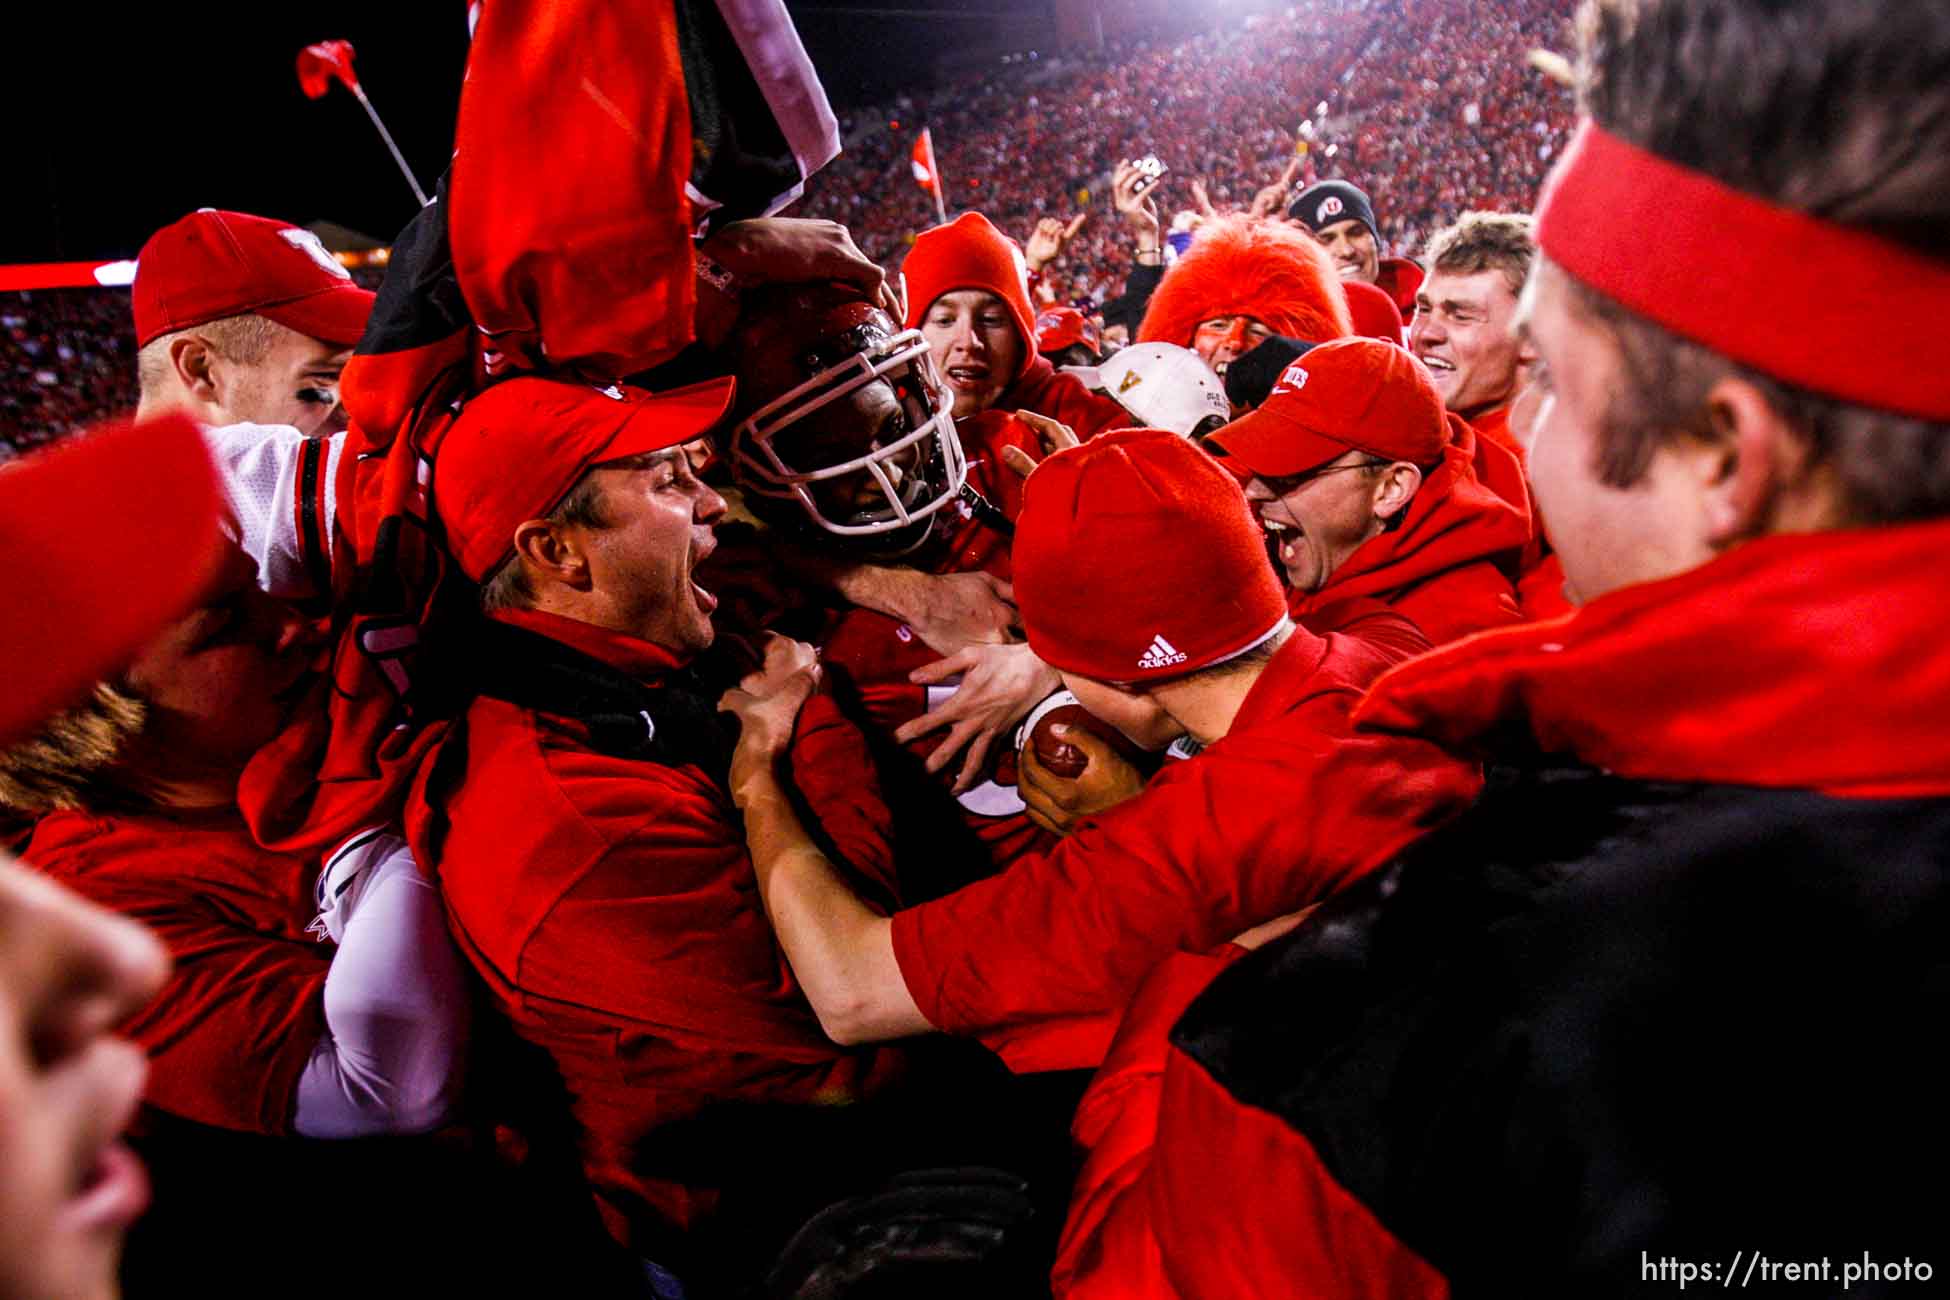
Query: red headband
{"points": [[1825, 307]]}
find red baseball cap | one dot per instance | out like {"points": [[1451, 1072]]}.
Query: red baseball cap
{"points": [[518, 448], [1137, 558], [1352, 394], [214, 264], [1061, 327], [105, 538]]}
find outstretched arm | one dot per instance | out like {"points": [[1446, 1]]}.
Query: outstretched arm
{"points": [[841, 950]]}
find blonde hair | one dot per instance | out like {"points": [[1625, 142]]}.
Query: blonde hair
{"points": [[242, 340], [70, 763]]}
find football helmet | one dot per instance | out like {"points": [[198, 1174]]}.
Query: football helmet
{"points": [[858, 463]]}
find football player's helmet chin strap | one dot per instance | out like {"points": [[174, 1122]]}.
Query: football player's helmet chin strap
{"points": [[911, 497], [986, 511]]}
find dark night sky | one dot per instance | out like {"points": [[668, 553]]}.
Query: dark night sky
{"points": [[123, 117]]}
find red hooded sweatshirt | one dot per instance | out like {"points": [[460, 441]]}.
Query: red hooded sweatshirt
{"points": [[1540, 588], [970, 253], [1451, 564]]}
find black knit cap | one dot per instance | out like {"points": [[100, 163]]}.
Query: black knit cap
{"points": [[1325, 202]]}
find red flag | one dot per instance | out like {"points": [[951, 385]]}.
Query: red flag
{"points": [[571, 224], [321, 64], [926, 175]]}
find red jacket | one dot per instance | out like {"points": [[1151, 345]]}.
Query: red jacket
{"points": [[1450, 565], [1540, 587], [1283, 810], [608, 903], [1710, 677], [233, 1029]]}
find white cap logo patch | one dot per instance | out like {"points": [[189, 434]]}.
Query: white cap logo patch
{"points": [[1292, 379], [307, 243], [1329, 207]]}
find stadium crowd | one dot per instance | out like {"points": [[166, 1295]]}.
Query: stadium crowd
{"points": [[1426, 104], [652, 758]]}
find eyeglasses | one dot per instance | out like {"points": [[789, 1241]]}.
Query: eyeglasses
{"points": [[1287, 484]]}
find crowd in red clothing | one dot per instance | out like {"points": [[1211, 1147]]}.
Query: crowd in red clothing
{"points": [[1429, 106], [735, 775]]}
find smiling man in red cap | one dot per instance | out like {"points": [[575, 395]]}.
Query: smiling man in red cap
{"points": [[593, 866], [244, 320], [1143, 581], [1666, 1000], [1366, 487]]}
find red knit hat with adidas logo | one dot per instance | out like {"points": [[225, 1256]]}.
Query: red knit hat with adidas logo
{"points": [[1136, 558]]}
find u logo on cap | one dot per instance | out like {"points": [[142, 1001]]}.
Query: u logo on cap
{"points": [[1329, 207], [307, 243]]}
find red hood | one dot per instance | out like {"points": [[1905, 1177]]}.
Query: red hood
{"points": [[1812, 661], [1399, 278], [1494, 427], [1455, 519]]}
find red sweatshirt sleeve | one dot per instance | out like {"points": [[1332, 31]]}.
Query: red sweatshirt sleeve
{"points": [[1040, 961], [835, 773]]}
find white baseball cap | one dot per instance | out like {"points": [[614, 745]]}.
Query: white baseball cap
{"points": [[1162, 385]]}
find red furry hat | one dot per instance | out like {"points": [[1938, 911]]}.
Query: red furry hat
{"points": [[1242, 266]]}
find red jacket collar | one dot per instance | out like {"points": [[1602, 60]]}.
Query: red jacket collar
{"points": [[1455, 519], [1399, 278], [1282, 681], [640, 659], [1814, 661]]}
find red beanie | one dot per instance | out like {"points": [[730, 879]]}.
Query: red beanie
{"points": [[970, 253], [1245, 266], [1136, 558]]}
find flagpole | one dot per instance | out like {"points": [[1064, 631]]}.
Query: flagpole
{"points": [[387, 136], [940, 185]]}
